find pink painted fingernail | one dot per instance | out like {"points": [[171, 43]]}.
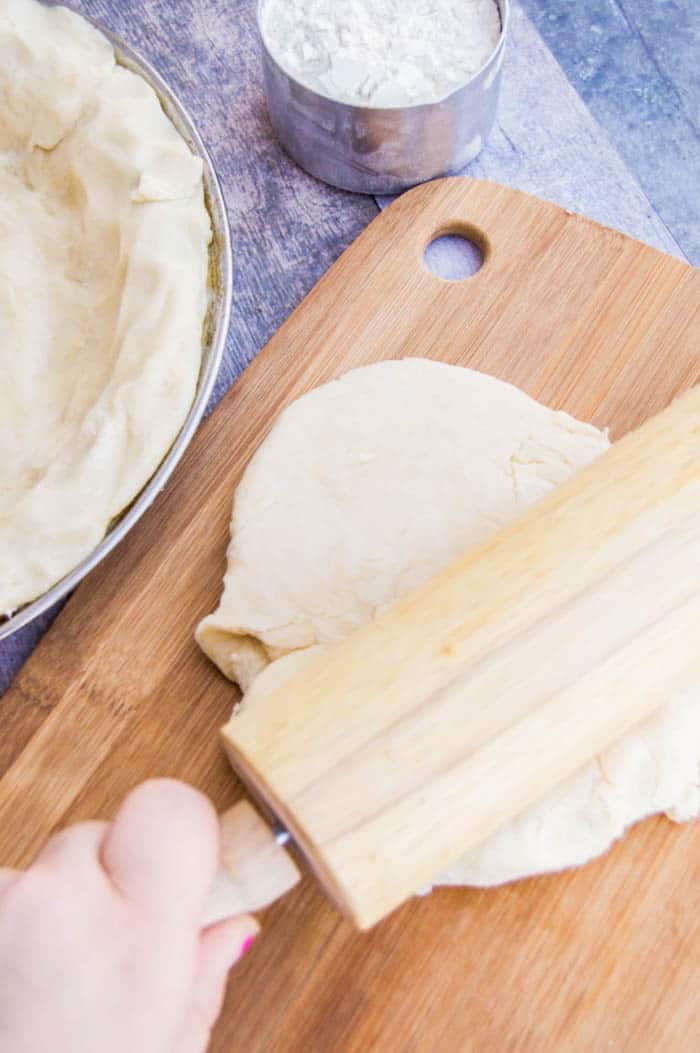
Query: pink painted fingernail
{"points": [[246, 945]]}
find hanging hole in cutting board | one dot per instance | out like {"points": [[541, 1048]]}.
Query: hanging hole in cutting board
{"points": [[454, 256]]}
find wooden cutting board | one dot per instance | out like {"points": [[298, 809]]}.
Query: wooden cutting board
{"points": [[604, 958]]}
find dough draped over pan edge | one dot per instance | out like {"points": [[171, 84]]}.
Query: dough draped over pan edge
{"points": [[104, 239]]}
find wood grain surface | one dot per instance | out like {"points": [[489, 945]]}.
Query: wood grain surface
{"points": [[287, 228], [398, 750], [607, 957]]}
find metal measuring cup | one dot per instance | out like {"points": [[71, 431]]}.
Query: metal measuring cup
{"points": [[373, 150]]}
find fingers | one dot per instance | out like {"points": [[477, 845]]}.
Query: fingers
{"points": [[7, 878], [73, 846], [221, 946], [161, 851]]}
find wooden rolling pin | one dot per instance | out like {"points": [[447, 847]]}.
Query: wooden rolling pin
{"points": [[405, 745]]}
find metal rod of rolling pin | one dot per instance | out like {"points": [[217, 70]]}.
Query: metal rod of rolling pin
{"points": [[282, 835]]}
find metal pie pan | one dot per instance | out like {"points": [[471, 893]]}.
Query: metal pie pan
{"points": [[213, 342]]}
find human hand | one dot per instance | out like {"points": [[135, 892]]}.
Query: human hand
{"points": [[101, 945]]}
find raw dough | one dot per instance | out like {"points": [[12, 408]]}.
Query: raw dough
{"points": [[104, 240], [369, 486]]}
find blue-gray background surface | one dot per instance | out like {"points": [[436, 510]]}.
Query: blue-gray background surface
{"points": [[600, 113]]}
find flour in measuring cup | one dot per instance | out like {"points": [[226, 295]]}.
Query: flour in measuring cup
{"points": [[381, 52]]}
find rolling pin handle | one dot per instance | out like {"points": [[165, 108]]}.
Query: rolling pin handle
{"points": [[254, 869]]}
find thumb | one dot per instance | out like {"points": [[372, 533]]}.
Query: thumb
{"points": [[221, 946], [161, 850]]}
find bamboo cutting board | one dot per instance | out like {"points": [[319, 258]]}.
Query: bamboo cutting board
{"points": [[604, 958]]}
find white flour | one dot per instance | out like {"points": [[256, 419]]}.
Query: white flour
{"points": [[381, 52]]}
